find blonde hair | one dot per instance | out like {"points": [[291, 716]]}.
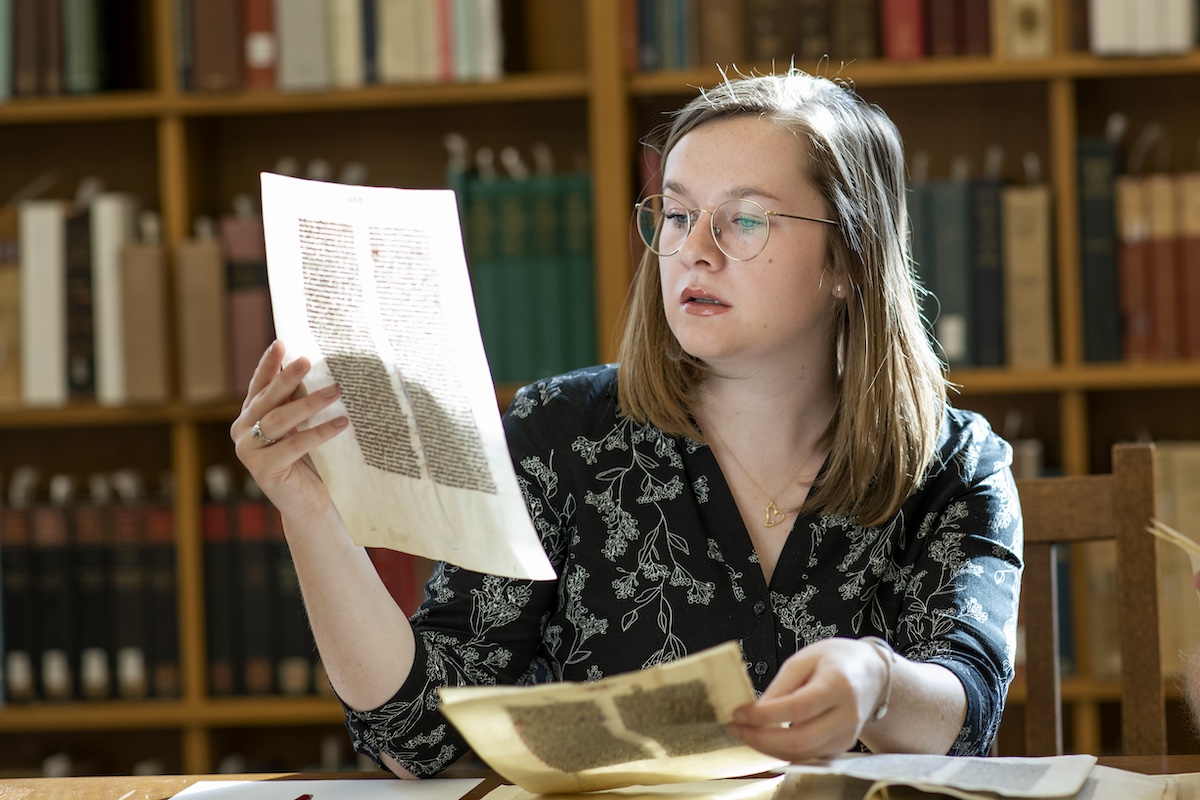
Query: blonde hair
{"points": [[891, 386]]}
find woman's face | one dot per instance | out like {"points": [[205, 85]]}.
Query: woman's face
{"points": [[770, 311]]}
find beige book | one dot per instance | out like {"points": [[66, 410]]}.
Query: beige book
{"points": [[201, 325], [144, 329], [1028, 276]]}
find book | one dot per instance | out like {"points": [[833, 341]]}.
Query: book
{"points": [[82, 41], [811, 31], [294, 649], [162, 598], [18, 602], [945, 27], [975, 24], [217, 45], [130, 616], [247, 296], [579, 300], [345, 20], [950, 250], [202, 314], [10, 309], [1163, 286], [721, 28], [854, 26], [56, 585], [1028, 28], [301, 30], [547, 276], [220, 596], [768, 35], [487, 280], [370, 40], [113, 224], [396, 47], [50, 48], [80, 311], [43, 308], [123, 47], [260, 51], [988, 300], [26, 52], [143, 326], [92, 547], [6, 51], [256, 622], [902, 23], [1096, 175], [1188, 207], [1028, 277], [1133, 258]]}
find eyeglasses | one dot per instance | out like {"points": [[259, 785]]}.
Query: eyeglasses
{"points": [[740, 227]]}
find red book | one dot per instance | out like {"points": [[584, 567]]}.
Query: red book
{"points": [[1133, 259], [261, 49], [163, 655], [1188, 208], [975, 26], [902, 25], [1165, 291], [945, 23], [249, 298]]}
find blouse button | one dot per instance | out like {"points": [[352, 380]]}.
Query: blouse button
{"points": [[761, 668], [759, 607]]}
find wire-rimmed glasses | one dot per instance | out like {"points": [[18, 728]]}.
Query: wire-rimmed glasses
{"points": [[740, 227]]}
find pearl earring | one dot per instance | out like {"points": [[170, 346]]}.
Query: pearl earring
{"points": [[839, 290]]}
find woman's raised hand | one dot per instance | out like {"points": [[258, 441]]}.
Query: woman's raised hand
{"points": [[269, 441]]}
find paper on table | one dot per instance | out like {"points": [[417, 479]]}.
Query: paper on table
{"points": [[730, 789], [955, 776], [371, 285], [664, 724], [336, 789]]}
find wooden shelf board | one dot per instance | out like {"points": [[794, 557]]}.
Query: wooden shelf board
{"points": [[170, 714], [82, 108]]}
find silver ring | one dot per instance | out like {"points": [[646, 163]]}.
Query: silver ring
{"points": [[257, 433]]}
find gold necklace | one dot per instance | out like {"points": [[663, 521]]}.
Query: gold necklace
{"points": [[772, 515]]}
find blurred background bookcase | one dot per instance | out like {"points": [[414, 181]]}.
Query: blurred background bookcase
{"points": [[188, 154]]}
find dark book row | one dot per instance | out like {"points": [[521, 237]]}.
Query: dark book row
{"points": [[89, 602]]}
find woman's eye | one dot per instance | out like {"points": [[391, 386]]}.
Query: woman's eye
{"points": [[747, 223], [676, 218]]}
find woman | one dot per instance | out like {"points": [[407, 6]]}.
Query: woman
{"points": [[774, 462]]}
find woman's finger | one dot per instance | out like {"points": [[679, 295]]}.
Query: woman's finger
{"points": [[267, 369]]}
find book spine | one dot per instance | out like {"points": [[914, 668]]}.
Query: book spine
{"points": [[217, 43], [1028, 277], [1098, 250], [855, 29], [304, 56], [987, 289], [294, 646], [1188, 205], [80, 308], [548, 276], [944, 18], [43, 306], [811, 31], [976, 26], [143, 329], [1134, 260], [129, 621], [163, 635], [721, 29], [10, 313], [482, 223], [904, 30], [220, 599], [260, 51], [254, 613], [1163, 284], [18, 593], [951, 244], [249, 298], [921, 243], [93, 600], [201, 307], [113, 217], [55, 602], [81, 51], [579, 300]]}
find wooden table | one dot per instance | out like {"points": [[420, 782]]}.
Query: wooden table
{"points": [[162, 787]]}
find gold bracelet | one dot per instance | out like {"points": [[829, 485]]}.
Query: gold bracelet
{"points": [[888, 655]]}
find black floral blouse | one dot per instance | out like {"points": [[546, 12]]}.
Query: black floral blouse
{"points": [[654, 562]]}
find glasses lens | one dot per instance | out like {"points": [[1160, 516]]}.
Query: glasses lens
{"points": [[662, 223], [741, 228]]}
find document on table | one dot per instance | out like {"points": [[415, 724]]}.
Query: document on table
{"points": [[665, 724], [371, 285], [335, 789]]}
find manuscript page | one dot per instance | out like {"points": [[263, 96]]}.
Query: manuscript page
{"points": [[371, 285]]}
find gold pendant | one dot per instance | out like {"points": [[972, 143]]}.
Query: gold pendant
{"points": [[774, 515]]}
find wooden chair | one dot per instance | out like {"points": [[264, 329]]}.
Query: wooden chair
{"points": [[1064, 510]]}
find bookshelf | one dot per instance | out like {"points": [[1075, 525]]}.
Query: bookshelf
{"points": [[188, 154]]}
